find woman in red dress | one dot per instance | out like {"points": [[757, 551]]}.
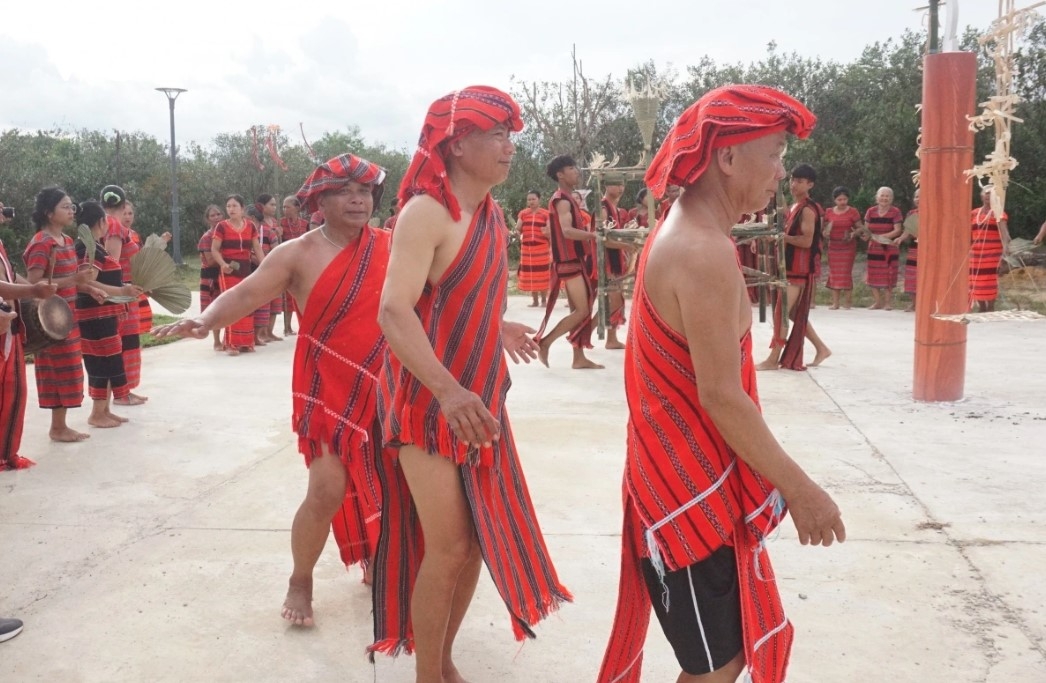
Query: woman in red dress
{"points": [[841, 223], [293, 226], [233, 243], [883, 220], [269, 231], [989, 242]]}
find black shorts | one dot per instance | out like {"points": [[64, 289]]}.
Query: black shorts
{"points": [[703, 618]]}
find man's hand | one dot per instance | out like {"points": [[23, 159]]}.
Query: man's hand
{"points": [[469, 418], [6, 319], [816, 516], [42, 290], [518, 343], [183, 328]]}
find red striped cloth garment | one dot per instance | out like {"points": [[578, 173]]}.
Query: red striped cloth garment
{"points": [[293, 229], [334, 387], [985, 255], [616, 259], [269, 240], [687, 494], [882, 258], [535, 252], [99, 324], [570, 259], [236, 246], [462, 317], [842, 247], [208, 274], [13, 386], [801, 270], [911, 262], [130, 322], [59, 367]]}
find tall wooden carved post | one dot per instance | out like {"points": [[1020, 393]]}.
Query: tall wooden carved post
{"points": [[949, 96]]}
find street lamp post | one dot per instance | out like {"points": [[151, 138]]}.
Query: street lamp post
{"points": [[172, 94]]}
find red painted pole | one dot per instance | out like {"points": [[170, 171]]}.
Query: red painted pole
{"points": [[949, 96]]}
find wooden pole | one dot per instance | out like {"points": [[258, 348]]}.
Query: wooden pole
{"points": [[949, 96]]}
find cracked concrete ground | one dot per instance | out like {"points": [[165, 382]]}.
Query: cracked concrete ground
{"points": [[159, 551]]}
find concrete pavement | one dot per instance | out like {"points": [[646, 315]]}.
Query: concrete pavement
{"points": [[159, 551]]}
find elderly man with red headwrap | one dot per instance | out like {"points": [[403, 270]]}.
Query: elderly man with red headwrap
{"points": [[335, 275], [705, 480], [455, 471]]}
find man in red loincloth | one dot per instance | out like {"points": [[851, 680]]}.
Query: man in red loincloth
{"points": [[444, 384], [802, 238], [573, 263], [705, 480], [335, 274]]}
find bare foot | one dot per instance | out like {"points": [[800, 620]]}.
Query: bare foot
{"points": [[297, 607], [103, 422], [615, 345], [888, 307], [846, 308], [451, 674], [543, 352], [232, 352], [130, 400], [533, 305], [875, 307], [273, 337], [288, 333], [821, 356], [116, 417], [586, 364], [768, 365], [66, 435], [834, 307], [247, 349], [218, 346], [138, 397], [258, 341]]}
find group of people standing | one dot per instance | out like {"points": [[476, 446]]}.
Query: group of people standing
{"points": [[231, 248], [109, 315]]}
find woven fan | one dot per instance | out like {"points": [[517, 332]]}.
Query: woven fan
{"points": [[152, 268], [175, 297], [87, 237], [154, 241], [881, 239], [990, 317]]}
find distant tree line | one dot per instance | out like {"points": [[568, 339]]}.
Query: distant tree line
{"points": [[865, 138]]}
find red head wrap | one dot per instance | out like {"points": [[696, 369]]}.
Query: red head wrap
{"points": [[726, 116], [477, 107], [338, 172]]}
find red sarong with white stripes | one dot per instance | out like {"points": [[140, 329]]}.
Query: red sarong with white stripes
{"points": [[842, 247], [570, 259], [462, 316], [687, 494], [13, 388], [985, 255], [335, 384], [882, 258], [59, 367], [535, 253]]}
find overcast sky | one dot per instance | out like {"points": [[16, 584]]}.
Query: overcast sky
{"points": [[378, 65]]}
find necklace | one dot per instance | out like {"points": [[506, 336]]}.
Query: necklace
{"points": [[339, 247]]}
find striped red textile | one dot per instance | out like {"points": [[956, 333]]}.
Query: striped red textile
{"points": [[335, 384], [336, 173], [99, 323], [616, 259], [451, 116], [13, 386], [535, 252], [730, 115], [882, 258], [293, 229], [236, 247], [985, 255], [570, 259], [801, 269], [911, 262], [130, 322], [842, 247], [269, 240], [59, 368], [462, 317], [687, 494], [145, 314], [208, 274]]}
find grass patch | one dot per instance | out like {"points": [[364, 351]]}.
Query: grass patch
{"points": [[148, 340]]}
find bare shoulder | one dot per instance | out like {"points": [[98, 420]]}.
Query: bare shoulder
{"points": [[692, 258], [422, 216]]}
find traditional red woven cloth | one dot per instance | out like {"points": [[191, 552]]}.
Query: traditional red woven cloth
{"points": [[13, 389], [986, 253], [687, 494], [726, 116], [335, 384], [452, 116], [337, 173]]}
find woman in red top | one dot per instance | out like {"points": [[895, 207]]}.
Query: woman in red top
{"points": [[235, 241], [59, 367], [883, 220], [841, 223], [535, 252], [989, 242], [269, 232], [208, 268], [294, 226]]}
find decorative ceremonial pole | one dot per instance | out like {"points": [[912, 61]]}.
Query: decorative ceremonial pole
{"points": [[949, 97], [172, 94]]}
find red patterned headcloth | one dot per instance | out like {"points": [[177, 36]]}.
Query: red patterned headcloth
{"points": [[337, 173], [726, 116], [451, 116]]}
